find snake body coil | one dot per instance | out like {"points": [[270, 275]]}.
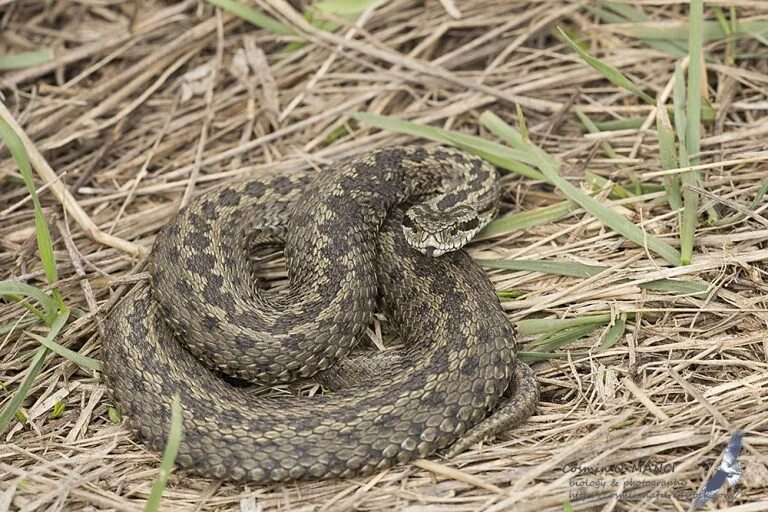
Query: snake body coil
{"points": [[344, 240]]}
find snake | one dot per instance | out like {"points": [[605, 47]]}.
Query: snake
{"points": [[380, 232]]}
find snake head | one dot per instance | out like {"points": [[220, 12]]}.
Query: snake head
{"points": [[434, 232]]}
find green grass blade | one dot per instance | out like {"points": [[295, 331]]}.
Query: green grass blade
{"points": [[169, 457], [610, 153], [348, 9], [604, 214], [652, 188], [681, 288], [44, 244], [24, 60], [627, 13], [606, 15], [80, 360], [551, 325], [722, 20], [668, 156], [505, 295], [58, 409], [579, 270], [552, 342], [760, 37], [399, 125], [736, 217], [692, 131], [504, 131], [592, 128], [710, 30], [253, 16], [9, 412], [615, 333], [29, 307], [114, 415], [681, 119], [495, 153], [697, 111], [609, 72], [582, 271], [617, 191], [528, 219], [320, 12], [15, 289], [734, 23], [535, 356], [521, 119], [729, 27], [630, 123], [758, 199], [17, 324], [501, 156], [693, 108], [692, 178], [690, 200]]}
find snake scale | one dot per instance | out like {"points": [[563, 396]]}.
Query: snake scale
{"points": [[349, 234]]}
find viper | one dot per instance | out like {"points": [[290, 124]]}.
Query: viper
{"points": [[382, 230]]}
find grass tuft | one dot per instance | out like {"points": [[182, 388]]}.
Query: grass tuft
{"points": [[44, 244], [607, 216], [56, 312]]}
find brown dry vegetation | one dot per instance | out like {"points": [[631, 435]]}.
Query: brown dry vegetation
{"points": [[148, 102]]}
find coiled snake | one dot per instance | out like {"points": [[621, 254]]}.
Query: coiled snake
{"points": [[345, 244]]}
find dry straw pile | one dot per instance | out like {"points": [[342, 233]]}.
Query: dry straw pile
{"points": [[646, 365]]}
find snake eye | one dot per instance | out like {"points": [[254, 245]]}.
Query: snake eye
{"points": [[407, 221], [469, 225]]}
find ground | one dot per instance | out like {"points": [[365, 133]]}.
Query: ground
{"points": [[643, 379]]}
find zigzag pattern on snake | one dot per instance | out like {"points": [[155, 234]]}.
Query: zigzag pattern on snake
{"points": [[345, 246]]}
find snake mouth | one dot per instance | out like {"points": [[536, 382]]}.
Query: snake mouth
{"points": [[433, 247]]}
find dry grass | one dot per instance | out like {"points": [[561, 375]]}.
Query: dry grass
{"points": [[148, 102]]}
